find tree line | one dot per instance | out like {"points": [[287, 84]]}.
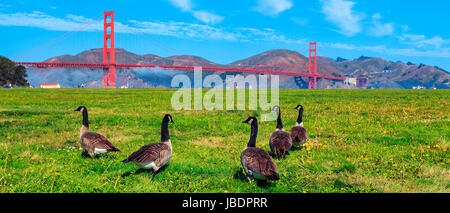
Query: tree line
{"points": [[10, 73]]}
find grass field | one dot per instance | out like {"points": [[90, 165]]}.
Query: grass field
{"points": [[360, 141]]}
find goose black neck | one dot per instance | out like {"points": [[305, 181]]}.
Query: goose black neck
{"points": [[253, 134], [165, 132], [300, 116], [279, 123], [85, 118]]}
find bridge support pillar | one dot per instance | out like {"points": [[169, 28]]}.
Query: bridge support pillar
{"points": [[312, 65], [109, 73]]}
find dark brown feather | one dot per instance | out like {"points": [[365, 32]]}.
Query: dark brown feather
{"points": [[157, 152], [259, 161], [280, 142], [298, 135], [92, 140]]}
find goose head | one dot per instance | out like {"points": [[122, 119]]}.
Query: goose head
{"points": [[276, 109], [299, 107], [168, 119], [250, 120], [80, 109]]}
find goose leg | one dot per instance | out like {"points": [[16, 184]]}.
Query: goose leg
{"points": [[154, 173]]}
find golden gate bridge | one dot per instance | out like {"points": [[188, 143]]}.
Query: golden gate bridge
{"points": [[109, 64]]}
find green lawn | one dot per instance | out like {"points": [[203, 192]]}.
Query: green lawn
{"points": [[360, 141]]}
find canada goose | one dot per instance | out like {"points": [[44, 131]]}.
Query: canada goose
{"points": [[280, 141], [256, 162], [298, 132], [93, 143], [154, 155]]}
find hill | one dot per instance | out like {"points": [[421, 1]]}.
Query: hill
{"points": [[379, 72]]}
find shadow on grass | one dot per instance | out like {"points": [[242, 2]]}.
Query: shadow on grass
{"points": [[85, 155], [239, 174], [278, 157], [264, 184], [140, 170], [296, 148]]}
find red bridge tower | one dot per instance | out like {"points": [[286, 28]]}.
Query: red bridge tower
{"points": [[312, 64], [109, 73]]}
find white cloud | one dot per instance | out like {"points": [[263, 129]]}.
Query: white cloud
{"points": [[207, 17], [44, 21], [204, 16], [268, 34], [339, 46], [341, 13], [184, 5], [379, 29], [435, 41], [412, 37], [423, 41], [273, 7], [73, 22], [183, 30], [409, 52], [4, 6]]}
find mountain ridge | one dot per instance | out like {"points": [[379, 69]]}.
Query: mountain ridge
{"points": [[379, 72]]}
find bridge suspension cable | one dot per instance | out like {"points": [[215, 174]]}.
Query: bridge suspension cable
{"points": [[109, 64], [58, 39], [154, 41]]}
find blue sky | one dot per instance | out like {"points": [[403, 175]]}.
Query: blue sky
{"points": [[225, 31]]}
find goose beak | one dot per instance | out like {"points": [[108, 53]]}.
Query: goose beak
{"points": [[244, 122]]}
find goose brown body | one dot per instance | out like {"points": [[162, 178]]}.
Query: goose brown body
{"points": [[154, 155], [280, 141], [93, 143], [298, 132], [298, 135], [158, 153], [256, 162]]}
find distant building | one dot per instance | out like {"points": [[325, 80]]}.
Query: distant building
{"points": [[418, 87], [50, 86], [361, 82], [350, 81]]}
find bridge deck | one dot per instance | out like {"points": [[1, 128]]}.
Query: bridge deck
{"points": [[174, 67]]}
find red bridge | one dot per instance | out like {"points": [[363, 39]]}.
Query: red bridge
{"points": [[109, 66]]}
